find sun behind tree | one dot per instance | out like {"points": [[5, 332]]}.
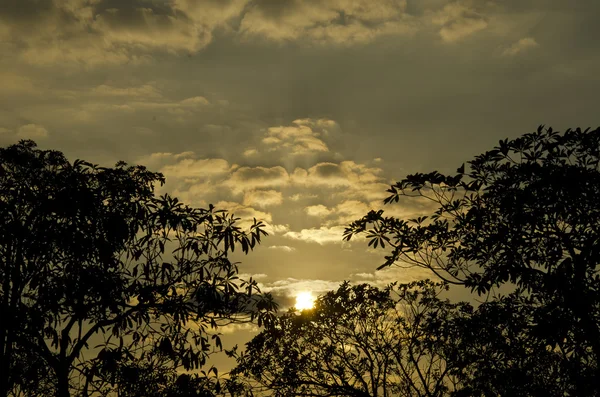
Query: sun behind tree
{"points": [[305, 301]]}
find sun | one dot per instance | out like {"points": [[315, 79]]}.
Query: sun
{"points": [[304, 301]]}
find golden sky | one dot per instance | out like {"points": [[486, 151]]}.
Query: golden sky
{"points": [[296, 112]]}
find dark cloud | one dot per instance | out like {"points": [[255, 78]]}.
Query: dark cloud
{"points": [[19, 11], [328, 170], [104, 32], [250, 178], [274, 9], [134, 16], [130, 7]]}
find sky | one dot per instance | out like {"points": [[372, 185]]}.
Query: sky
{"points": [[296, 112]]}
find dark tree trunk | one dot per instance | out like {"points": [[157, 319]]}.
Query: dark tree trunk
{"points": [[62, 375], [581, 303], [5, 332]]}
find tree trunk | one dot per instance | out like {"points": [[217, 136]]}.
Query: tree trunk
{"points": [[62, 376], [580, 303], [4, 353], [5, 336]]}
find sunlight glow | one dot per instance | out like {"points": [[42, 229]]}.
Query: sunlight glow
{"points": [[304, 301]]}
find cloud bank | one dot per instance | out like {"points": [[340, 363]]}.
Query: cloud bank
{"points": [[95, 33]]}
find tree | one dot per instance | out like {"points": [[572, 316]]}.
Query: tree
{"points": [[526, 216], [494, 354], [29, 375], [358, 341], [90, 256], [155, 376]]}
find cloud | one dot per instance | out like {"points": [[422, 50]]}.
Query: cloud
{"points": [[234, 328], [185, 106], [317, 210], [195, 195], [143, 91], [284, 248], [147, 27], [254, 276], [335, 219], [299, 196], [263, 198], [188, 168], [276, 229], [110, 32], [462, 28], [343, 213], [16, 84], [250, 152], [458, 20], [26, 131], [326, 21], [350, 210], [299, 285], [322, 174], [346, 173], [211, 13], [103, 32], [354, 179], [302, 137], [245, 213], [160, 159], [133, 101], [322, 235], [360, 187], [32, 131], [195, 101], [384, 277], [190, 179], [524, 44], [251, 178]]}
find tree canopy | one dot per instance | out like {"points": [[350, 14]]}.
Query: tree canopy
{"points": [[404, 340], [358, 341], [99, 274], [523, 215]]}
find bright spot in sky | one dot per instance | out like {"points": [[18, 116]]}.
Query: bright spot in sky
{"points": [[304, 301]]}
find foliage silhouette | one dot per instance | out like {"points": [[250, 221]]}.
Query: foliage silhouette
{"points": [[359, 341], [524, 215], [98, 273], [496, 356]]}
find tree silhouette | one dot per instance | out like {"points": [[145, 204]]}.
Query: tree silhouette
{"points": [[524, 215], [495, 354], [98, 272], [155, 376], [29, 375], [359, 341]]}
